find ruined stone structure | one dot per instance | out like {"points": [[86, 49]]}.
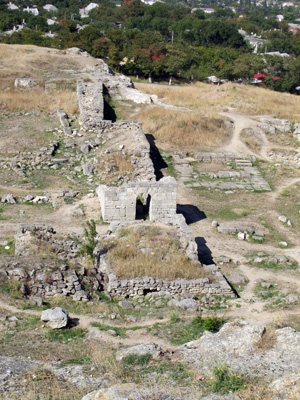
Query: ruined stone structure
{"points": [[41, 239], [117, 287], [91, 103], [122, 203]]}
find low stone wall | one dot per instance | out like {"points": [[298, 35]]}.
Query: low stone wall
{"points": [[137, 287], [222, 157], [119, 203], [43, 281]]}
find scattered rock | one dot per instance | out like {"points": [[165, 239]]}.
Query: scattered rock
{"points": [[146, 348], [125, 391], [85, 148], [25, 82], [8, 198], [237, 278], [283, 244], [126, 305], [55, 317], [282, 218], [241, 236], [291, 298]]}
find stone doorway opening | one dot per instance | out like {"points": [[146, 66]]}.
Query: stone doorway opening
{"points": [[142, 208]]}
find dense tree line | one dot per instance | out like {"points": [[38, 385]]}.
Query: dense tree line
{"points": [[166, 40]]}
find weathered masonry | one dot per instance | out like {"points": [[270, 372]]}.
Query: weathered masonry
{"points": [[139, 200]]}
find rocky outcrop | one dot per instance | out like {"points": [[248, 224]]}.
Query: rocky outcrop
{"points": [[246, 348], [141, 349]]}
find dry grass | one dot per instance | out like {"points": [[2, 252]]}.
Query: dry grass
{"points": [[104, 359], [184, 129], [210, 99], [201, 126], [41, 65], [151, 251], [267, 341], [122, 164], [43, 384], [37, 99]]}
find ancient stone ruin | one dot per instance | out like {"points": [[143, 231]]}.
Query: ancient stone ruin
{"points": [[136, 200]]}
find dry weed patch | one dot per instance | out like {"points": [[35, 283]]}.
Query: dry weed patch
{"points": [[37, 99], [187, 129], [267, 340], [210, 99], [151, 251], [122, 164]]}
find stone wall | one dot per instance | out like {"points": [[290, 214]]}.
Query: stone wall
{"points": [[40, 280], [120, 203], [222, 157], [116, 287], [91, 103]]}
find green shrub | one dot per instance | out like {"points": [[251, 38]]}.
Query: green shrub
{"points": [[211, 324], [90, 234], [225, 381]]}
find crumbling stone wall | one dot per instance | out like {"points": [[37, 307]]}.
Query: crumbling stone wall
{"points": [[39, 281], [41, 239], [116, 287], [91, 103], [119, 203]]}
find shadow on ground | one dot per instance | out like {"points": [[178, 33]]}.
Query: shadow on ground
{"points": [[157, 160], [204, 252], [191, 213]]}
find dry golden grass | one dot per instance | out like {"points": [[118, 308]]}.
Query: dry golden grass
{"points": [[122, 164], [163, 256], [37, 99], [199, 125], [41, 65], [210, 99], [187, 129], [267, 341], [104, 359], [15, 100]]}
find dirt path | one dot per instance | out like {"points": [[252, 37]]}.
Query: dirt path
{"points": [[240, 122], [85, 322], [287, 183]]}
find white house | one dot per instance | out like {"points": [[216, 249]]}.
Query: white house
{"points": [[279, 17], [32, 10], [207, 10], [84, 12], [12, 6], [50, 8], [51, 21]]}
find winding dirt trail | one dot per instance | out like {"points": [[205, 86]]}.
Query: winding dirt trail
{"points": [[287, 183], [85, 322], [240, 122]]}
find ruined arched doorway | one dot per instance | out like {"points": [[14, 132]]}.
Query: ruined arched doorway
{"points": [[142, 208]]}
